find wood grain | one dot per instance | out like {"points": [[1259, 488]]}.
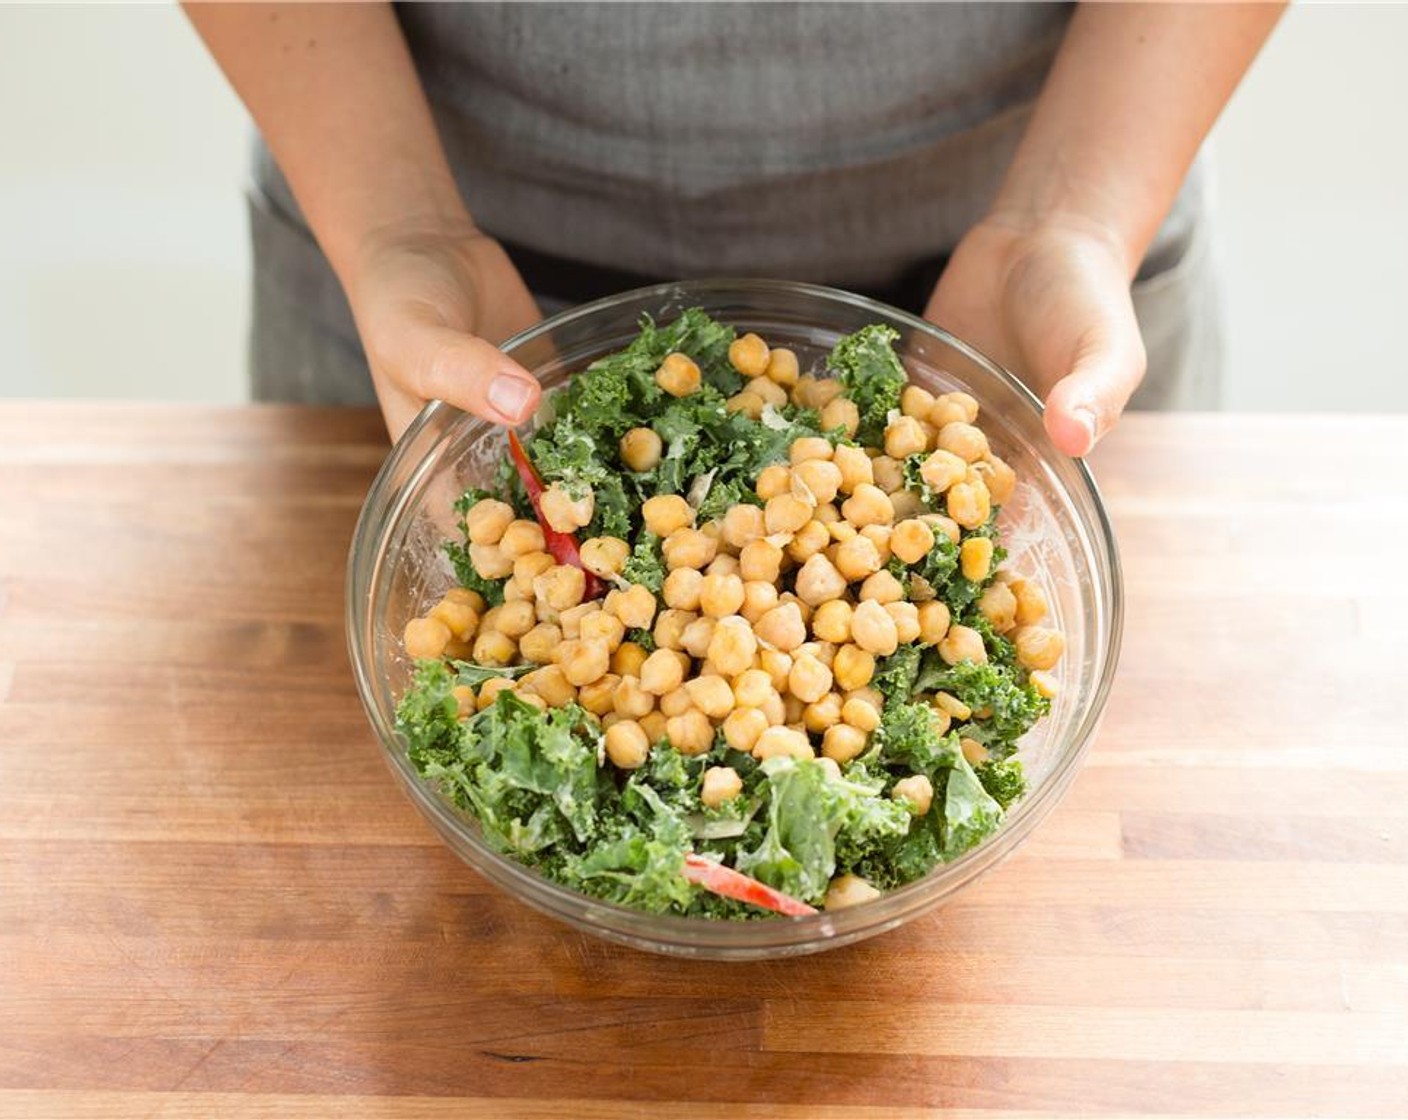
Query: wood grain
{"points": [[214, 902]]}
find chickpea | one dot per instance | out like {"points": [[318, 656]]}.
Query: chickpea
{"points": [[962, 643], [953, 407], [819, 582], [570, 620], [653, 724], [751, 688], [628, 659], [776, 665], [661, 672], [600, 626], [857, 558], [774, 481], [783, 367], [584, 660], [841, 413], [863, 716], [868, 505], [1038, 647], [841, 531], [521, 538], [515, 619], [848, 890], [832, 621], [457, 650], [821, 714], [732, 646], [769, 392], [917, 790], [563, 512], [635, 606], [1001, 480], [689, 548], [1044, 682], [627, 744], [681, 589], [912, 540], [952, 706], [723, 565], [916, 401], [561, 586], [810, 539], [945, 525], [720, 595], [999, 606], [759, 597], [746, 402], [490, 689], [782, 627], [678, 375], [906, 617], [743, 523], [532, 699], [879, 536], [776, 742], [809, 447], [941, 470], [425, 638], [598, 696], [550, 683], [820, 478], [828, 513], [905, 437], [749, 355], [873, 629], [631, 700], [711, 695], [975, 558], [491, 561], [742, 728], [464, 701], [809, 679], [641, 449], [774, 709], [513, 593], [696, 637], [825, 652], [842, 742], [888, 472], [1030, 603], [529, 567], [852, 667], [690, 733], [881, 588], [461, 619], [721, 783], [494, 649], [906, 503], [823, 392], [968, 504], [787, 513], [665, 513], [486, 521], [471, 599], [855, 466], [605, 556], [973, 751], [675, 703], [963, 440], [760, 560]]}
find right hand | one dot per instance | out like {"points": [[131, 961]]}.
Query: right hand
{"points": [[432, 304]]}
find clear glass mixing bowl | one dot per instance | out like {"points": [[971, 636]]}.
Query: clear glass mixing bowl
{"points": [[1054, 528]]}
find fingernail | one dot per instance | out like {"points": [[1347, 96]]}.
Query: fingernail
{"points": [[1086, 419], [509, 396]]}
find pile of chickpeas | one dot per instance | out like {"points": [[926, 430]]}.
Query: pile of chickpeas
{"points": [[771, 619]]}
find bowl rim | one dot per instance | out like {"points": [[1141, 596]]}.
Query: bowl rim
{"points": [[667, 932]]}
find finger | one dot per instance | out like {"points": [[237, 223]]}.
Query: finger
{"points": [[436, 362], [1086, 403]]}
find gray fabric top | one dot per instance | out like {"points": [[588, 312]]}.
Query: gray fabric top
{"points": [[836, 143]]}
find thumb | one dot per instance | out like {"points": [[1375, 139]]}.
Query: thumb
{"points": [[436, 362], [1107, 367]]}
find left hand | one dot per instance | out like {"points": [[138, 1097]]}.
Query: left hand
{"points": [[1050, 301]]}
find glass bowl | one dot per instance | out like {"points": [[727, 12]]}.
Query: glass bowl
{"points": [[1054, 527]]}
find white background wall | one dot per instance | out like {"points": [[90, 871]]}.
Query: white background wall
{"points": [[124, 266]]}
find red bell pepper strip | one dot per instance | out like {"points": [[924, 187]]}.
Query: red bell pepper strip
{"points": [[562, 546], [721, 880]]}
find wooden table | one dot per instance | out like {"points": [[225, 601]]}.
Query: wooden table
{"points": [[214, 902]]}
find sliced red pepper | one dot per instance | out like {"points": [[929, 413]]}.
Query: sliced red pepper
{"points": [[725, 881], [562, 546]]}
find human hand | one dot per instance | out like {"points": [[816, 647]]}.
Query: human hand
{"points": [[432, 304], [1051, 302]]}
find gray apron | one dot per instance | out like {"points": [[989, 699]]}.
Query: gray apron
{"points": [[833, 143]]}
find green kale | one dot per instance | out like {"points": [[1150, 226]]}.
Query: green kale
{"points": [[872, 375], [970, 813], [468, 576], [643, 638], [1015, 705], [909, 736], [427, 716], [895, 675], [476, 675], [1003, 780], [646, 563]]}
